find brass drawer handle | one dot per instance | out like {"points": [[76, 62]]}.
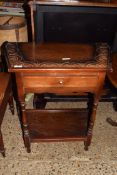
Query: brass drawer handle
{"points": [[61, 82]]}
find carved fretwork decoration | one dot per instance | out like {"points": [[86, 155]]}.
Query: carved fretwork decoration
{"points": [[42, 55]]}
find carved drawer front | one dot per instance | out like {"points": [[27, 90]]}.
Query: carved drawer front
{"points": [[48, 83]]}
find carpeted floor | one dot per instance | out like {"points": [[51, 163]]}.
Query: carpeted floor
{"points": [[61, 158]]}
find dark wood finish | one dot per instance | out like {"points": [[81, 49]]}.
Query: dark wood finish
{"points": [[39, 101], [46, 68], [57, 124], [5, 97], [112, 76]]}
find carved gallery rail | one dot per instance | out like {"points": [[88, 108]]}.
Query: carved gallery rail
{"points": [[64, 69]]}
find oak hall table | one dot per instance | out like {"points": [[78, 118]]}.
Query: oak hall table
{"points": [[65, 69]]}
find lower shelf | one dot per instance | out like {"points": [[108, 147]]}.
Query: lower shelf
{"points": [[48, 125]]}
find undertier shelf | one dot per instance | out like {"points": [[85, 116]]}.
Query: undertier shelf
{"points": [[65, 124]]}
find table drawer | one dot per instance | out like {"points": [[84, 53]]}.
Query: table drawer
{"points": [[60, 82]]}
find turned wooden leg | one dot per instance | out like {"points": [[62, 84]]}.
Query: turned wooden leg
{"points": [[3, 154], [26, 138], [110, 120], [115, 105], [25, 128], [2, 150], [28, 149], [92, 115], [11, 104], [89, 107], [39, 101], [86, 146]]}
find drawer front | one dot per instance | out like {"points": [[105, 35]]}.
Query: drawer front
{"points": [[49, 83]]}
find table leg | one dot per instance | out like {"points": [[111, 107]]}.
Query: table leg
{"points": [[92, 115], [11, 105], [2, 150], [25, 128], [39, 101]]}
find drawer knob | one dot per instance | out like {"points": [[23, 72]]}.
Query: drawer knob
{"points": [[61, 82]]}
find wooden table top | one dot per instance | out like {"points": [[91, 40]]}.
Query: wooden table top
{"points": [[56, 56]]}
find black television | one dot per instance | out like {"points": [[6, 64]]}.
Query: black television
{"points": [[76, 24]]}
